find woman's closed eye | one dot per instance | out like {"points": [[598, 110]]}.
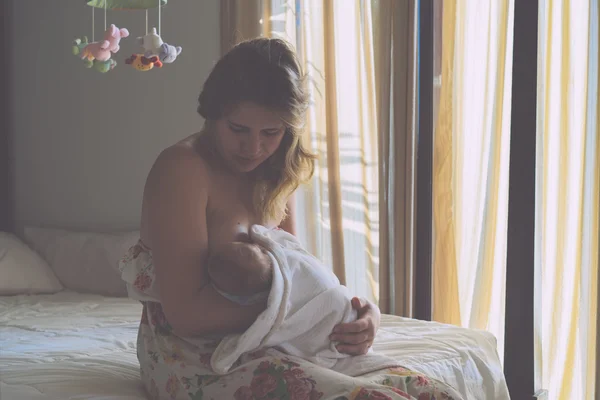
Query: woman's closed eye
{"points": [[238, 128], [272, 133], [244, 129]]}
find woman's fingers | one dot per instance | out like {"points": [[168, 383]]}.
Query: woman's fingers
{"points": [[352, 327], [356, 337], [351, 338], [356, 303], [354, 350]]}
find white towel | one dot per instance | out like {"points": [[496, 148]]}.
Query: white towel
{"points": [[305, 303]]}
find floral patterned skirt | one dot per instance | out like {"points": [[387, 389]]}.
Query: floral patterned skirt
{"points": [[174, 368]]}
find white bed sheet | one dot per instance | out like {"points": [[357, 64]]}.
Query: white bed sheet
{"points": [[71, 346], [464, 358]]}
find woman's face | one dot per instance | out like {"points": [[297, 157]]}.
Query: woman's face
{"points": [[248, 136]]}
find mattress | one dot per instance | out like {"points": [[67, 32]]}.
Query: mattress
{"points": [[70, 346], [464, 358]]}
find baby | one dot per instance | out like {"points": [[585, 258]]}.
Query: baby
{"points": [[306, 300], [241, 272]]}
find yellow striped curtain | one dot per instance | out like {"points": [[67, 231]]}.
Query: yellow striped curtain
{"points": [[470, 165], [567, 192], [356, 214]]}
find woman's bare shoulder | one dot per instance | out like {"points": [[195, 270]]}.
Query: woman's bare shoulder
{"points": [[181, 161], [176, 191]]}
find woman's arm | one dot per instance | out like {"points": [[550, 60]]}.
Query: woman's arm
{"points": [[176, 199], [289, 223]]}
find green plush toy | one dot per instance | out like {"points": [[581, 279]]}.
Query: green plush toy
{"points": [[101, 66], [104, 66], [78, 45]]}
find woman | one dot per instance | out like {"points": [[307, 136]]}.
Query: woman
{"points": [[206, 190], [238, 171]]}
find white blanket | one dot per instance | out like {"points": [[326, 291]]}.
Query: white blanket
{"points": [[305, 303]]}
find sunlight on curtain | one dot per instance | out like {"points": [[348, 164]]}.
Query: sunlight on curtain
{"points": [[567, 196], [470, 170], [333, 39], [241, 20]]}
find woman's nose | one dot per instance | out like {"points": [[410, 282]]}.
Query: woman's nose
{"points": [[251, 145]]}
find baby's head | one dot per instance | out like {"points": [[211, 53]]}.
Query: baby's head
{"points": [[240, 268]]}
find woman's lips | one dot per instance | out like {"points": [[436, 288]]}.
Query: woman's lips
{"points": [[247, 159]]}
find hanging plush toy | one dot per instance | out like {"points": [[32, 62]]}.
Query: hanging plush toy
{"points": [[101, 66], [168, 53], [105, 66], [151, 43], [103, 50], [143, 63], [99, 55], [78, 45]]}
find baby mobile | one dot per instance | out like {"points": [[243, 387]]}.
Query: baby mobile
{"points": [[100, 55]]}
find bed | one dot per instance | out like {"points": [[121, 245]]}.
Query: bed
{"points": [[71, 345]]}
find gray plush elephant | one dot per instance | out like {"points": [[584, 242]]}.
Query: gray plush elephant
{"points": [[167, 53]]}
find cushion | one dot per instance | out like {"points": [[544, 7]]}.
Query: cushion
{"points": [[22, 270], [86, 262]]}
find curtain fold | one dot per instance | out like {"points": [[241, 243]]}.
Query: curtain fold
{"points": [[446, 306], [357, 212], [470, 166], [242, 20], [382, 40], [394, 38], [567, 195], [332, 141], [352, 214], [339, 203]]}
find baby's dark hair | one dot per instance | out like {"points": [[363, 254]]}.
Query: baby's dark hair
{"points": [[245, 274]]}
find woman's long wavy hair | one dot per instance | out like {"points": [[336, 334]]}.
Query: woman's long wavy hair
{"points": [[264, 71]]}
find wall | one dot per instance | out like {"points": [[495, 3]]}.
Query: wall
{"points": [[6, 201], [83, 141]]}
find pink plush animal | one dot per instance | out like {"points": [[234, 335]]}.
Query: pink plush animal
{"points": [[102, 50]]}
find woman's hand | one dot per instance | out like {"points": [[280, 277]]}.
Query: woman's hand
{"points": [[355, 338]]}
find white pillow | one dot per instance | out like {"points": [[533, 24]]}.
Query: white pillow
{"points": [[22, 270], [85, 262]]}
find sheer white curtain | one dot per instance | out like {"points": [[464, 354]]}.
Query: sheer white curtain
{"points": [[471, 160], [358, 208], [341, 204], [567, 193], [356, 214]]}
